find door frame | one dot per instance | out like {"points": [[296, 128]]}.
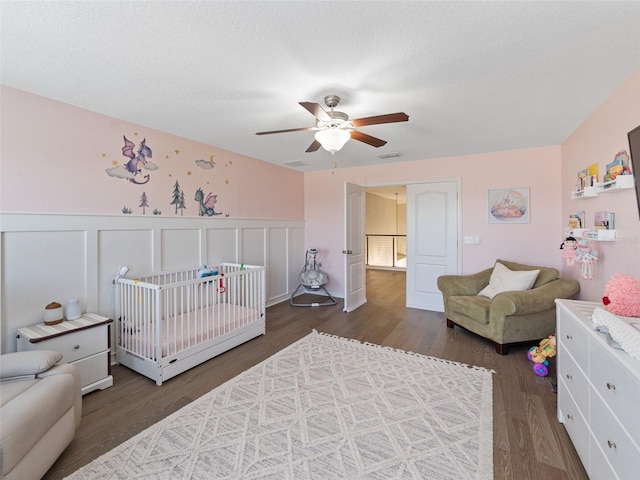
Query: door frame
{"points": [[439, 180]]}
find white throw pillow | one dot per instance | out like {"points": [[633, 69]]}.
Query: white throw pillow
{"points": [[504, 280]]}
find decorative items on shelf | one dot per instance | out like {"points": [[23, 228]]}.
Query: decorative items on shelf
{"points": [[576, 220], [604, 220], [618, 176], [619, 166], [587, 177]]}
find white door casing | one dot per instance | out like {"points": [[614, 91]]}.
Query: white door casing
{"points": [[432, 241], [354, 242]]}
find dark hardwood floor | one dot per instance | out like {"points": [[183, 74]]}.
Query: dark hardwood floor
{"points": [[529, 443]]}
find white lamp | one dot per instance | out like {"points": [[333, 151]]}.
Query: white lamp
{"points": [[332, 139]]}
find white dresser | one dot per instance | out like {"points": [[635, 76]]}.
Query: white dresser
{"points": [[83, 342], [598, 395]]}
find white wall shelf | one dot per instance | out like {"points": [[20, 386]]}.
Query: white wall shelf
{"points": [[592, 235], [587, 192], [621, 182]]}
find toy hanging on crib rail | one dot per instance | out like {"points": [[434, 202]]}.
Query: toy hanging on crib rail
{"points": [[312, 279], [213, 272]]}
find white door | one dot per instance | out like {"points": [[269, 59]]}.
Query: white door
{"points": [[432, 241], [354, 273]]}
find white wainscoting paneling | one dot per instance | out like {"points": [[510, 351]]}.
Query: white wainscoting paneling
{"points": [[55, 257], [277, 272]]}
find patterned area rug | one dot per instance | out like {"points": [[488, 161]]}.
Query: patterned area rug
{"points": [[323, 408]]}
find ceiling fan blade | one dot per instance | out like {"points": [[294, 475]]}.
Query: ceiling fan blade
{"points": [[363, 137], [316, 110], [313, 147], [284, 131], [375, 120]]}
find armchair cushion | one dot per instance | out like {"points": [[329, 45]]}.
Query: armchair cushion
{"points": [[503, 280], [473, 306]]}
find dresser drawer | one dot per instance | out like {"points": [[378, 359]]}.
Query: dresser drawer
{"points": [[600, 469], [78, 344], [574, 381], [619, 389], [574, 423], [611, 439], [575, 340]]}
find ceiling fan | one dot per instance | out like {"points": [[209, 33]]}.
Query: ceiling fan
{"points": [[333, 129]]}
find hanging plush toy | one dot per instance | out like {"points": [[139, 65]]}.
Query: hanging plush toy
{"points": [[568, 248], [586, 257], [622, 295]]}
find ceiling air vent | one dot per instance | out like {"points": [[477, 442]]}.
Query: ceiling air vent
{"points": [[295, 163], [388, 155]]}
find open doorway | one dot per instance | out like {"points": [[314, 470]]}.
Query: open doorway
{"points": [[386, 237]]}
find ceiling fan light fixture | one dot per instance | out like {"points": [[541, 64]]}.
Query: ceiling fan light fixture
{"points": [[332, 139]]}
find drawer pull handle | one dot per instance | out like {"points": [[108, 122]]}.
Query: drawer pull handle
{"points": [[569, 337], [611, 444], [76, 347], [611, 386], [569, 416], [569, 377]]}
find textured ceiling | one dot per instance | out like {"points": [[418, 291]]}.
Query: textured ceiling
{"points": [[472, 76]]}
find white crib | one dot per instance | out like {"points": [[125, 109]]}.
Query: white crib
{"points": [[170, 322]]}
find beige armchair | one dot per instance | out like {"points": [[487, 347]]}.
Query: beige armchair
{"points": [[40, 409], [511, 316]]}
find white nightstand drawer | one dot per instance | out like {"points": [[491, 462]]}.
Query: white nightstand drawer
{"points": [[93, 368], [81, 344]]}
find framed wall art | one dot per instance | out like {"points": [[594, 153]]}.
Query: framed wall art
{"points": [[508, 205]]}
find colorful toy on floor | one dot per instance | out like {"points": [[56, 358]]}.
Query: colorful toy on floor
{"points": [[539, 355]]}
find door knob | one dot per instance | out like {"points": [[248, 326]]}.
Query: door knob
{"points": [[347, 252]]}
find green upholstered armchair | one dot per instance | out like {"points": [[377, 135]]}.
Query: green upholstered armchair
{"points": [[510, 316]]}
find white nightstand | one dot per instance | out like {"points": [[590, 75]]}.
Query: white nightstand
{"points": [[84, 342]]}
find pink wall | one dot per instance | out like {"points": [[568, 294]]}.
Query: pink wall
{"points": [[597, 140], [54, 158], [535, 243]]}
